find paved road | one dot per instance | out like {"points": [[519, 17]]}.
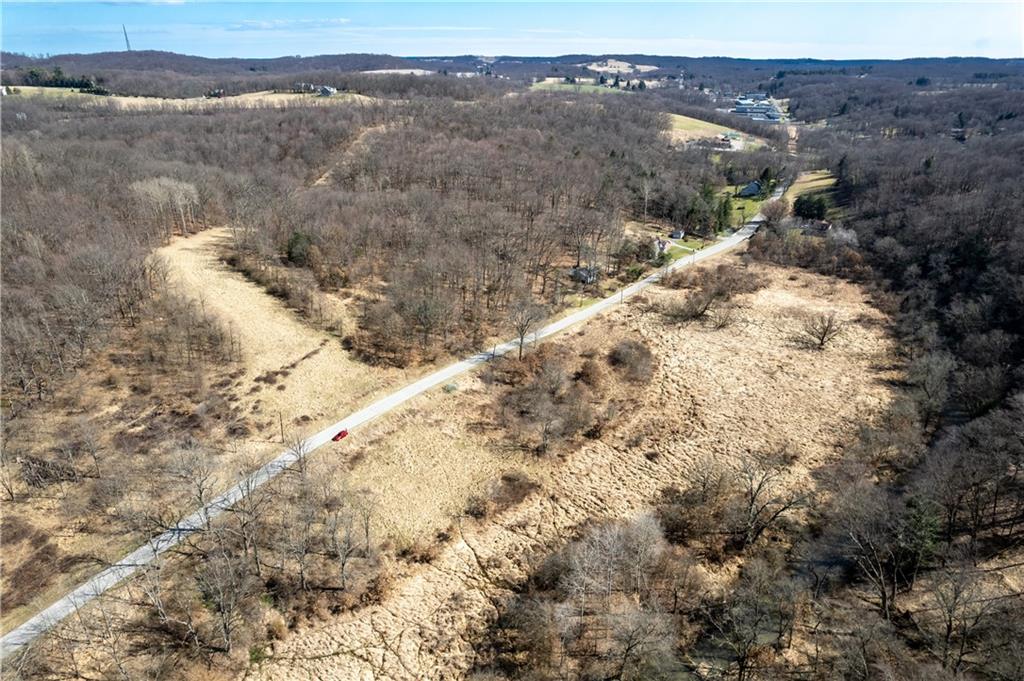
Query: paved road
{"points": [[147, 553]]}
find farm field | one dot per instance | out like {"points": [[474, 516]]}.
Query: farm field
{"points": [[619, 66], [694, 128]]}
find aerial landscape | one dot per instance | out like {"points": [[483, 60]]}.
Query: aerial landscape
{"points": [[512, 342]]}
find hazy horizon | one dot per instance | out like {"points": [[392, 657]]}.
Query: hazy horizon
{"points": [[766, 29]]}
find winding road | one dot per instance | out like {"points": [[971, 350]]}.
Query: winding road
{"points": [[148, 552]]}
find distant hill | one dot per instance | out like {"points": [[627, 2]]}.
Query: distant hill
{"points": [[153, 60], [168, 74]]}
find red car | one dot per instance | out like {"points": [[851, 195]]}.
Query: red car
{"points": [[342, 434]]}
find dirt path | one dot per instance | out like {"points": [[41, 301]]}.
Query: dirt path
{"points": [[302, 372], [717, 393]]}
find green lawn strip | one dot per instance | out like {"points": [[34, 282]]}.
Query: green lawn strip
{"points": [[692, 244]]}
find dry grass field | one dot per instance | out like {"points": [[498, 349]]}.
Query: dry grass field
{"points": [[309, 377], [810, 182], [265, 98], [687, 129], [720, 393]]}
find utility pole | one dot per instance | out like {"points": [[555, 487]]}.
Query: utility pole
{"points": [[127, 45]]}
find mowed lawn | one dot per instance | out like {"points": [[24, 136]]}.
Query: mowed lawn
{"points": [[742, 208]]}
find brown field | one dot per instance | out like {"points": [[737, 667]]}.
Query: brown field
{"points": [[722, 393], [320, 380], [686, 129], [265, 98]]}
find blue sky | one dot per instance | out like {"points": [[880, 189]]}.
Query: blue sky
{"points": [[841, 30]]}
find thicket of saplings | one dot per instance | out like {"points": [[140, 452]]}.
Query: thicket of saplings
{"points": [[470, 212], [550, 398], [725, 580], [895, 572], [91, 468]]}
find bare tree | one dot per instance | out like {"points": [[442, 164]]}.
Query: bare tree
{"points": [[774, 212], [866, 523], [638, 642], [249, 513], [173, 618], [198, 475], [960, 609], [819, 330], [226, 585], [525, 315], [764, 499]]}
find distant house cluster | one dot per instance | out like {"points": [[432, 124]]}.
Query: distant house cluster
{"points": [[757, 106], [613, 82], [320, 90]]}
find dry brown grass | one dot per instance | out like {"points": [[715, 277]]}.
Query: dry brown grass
{"points": [[719, 393], [263, 98], [715, 392]]}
